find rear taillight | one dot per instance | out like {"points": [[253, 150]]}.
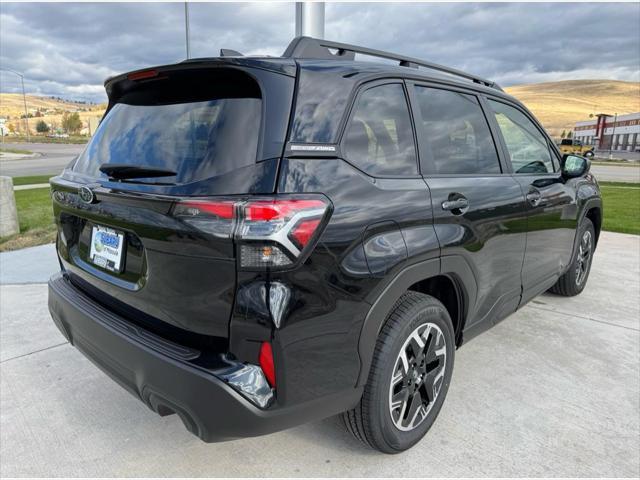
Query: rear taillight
{"points": [[214, 217], [271, 232]]}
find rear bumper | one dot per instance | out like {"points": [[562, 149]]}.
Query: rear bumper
{"points": [[159, 374]]}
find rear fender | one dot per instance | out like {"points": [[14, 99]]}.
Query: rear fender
{"points": [[453, 266]]}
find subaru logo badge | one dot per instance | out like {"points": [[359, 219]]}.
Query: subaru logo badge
{"points": [[86, 194]]}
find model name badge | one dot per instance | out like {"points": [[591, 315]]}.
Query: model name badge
{"points": [[313, 148]]}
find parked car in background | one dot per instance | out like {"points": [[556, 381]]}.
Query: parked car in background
{"points": [[256, 242], [576, 147]]}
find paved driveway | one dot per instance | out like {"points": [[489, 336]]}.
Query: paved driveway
{"points": [[51, 159], [554, 391]]}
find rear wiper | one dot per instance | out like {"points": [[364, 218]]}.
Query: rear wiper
{"points": [[119, 171]]}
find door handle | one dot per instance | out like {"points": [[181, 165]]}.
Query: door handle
{"points": [[534, 197], [458, 204]]}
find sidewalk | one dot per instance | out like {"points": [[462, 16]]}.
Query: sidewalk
{"points": [[29, 265]]}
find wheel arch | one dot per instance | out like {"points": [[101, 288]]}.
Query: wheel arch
{"points": [[453, 286]]}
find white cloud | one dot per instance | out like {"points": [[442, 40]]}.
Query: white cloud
{"points": [[69, 49]]}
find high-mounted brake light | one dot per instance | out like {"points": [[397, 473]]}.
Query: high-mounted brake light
{"points": [[143, 74], [272, 232]]}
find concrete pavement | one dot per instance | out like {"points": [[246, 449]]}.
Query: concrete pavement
{"points": [[52, 160], [554, 390]]}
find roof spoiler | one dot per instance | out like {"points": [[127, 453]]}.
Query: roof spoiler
{"points": [[316, 48]]}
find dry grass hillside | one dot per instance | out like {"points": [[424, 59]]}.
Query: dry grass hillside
{"points": [[559, 105], [48, 109]]}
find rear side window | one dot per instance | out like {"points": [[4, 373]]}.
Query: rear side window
{"points": [[379, 137], [457, 134], [195, 136], [528, 148]]}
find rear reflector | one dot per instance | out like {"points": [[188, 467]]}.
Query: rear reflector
{"points": [[266, 363]]}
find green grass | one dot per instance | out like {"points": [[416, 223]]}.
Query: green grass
{"points": [[36, 220], [15, 150], [44, 139], [621, 202], [615, 163], [31, 180]]}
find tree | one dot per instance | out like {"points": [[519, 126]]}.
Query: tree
{"points": [[12, 128], [42, 127], [563, 134], [71, 123], [569, 134]]}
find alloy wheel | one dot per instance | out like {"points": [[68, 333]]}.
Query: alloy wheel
{"points": [[584, 258], [417, 378]]}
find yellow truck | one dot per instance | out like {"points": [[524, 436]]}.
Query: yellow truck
{"points": [[569, 145]]}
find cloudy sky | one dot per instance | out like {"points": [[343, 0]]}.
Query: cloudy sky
{"points": [[69, 49]]}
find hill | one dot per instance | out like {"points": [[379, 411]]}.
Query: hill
{"points": [[49, 109], [559, 105]]}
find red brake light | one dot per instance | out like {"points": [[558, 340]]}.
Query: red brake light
{"points": [[266, 363], [303, 232], [272, 231], [143, 74], [267, 210], [219, 209]]}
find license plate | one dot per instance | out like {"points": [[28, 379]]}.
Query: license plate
{"points": [[107, 246]]}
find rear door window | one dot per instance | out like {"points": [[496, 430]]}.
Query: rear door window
{"points": [[527, 146], [456, 133], [379, 137]]}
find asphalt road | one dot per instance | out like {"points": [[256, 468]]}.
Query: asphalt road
{"points": [[612, 173], [554, 390], [54, 157]]}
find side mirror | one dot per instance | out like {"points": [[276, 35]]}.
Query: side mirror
{"points": [[574, 166]]}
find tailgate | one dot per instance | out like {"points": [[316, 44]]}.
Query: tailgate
{"points": [[171, 134], [168, 271]]}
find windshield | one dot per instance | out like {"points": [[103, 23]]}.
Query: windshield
{"points": [[197, 140]]}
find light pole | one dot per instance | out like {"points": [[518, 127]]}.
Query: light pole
{"points": [[186, 27], [310, 19], [24, 99]]}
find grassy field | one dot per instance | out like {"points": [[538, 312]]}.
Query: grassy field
{"points": [[15, 150], [621, 207], [31, 180], [44, 139], [36, 220]]}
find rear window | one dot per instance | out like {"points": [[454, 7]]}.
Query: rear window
{"points": [[566, 142], [196, 137]]}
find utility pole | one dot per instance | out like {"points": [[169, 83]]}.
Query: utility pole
{"points": [[186, 28], [24, 99], [310, 19]]}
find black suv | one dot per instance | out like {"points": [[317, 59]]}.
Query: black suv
{"points": [[257, 242]]}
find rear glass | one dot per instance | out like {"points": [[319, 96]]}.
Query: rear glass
{"points": [[197, 140]]}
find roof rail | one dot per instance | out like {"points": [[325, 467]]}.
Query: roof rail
{"points": [[308, 47]]}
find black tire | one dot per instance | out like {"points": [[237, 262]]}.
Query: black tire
{"points": [[373, 420], [575, 278], [589, 154]]}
